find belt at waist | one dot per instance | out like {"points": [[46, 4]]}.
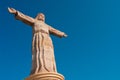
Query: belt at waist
{"points": [[40, 31]]}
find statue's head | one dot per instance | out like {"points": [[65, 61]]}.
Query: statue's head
{"points": [[40, 17]]}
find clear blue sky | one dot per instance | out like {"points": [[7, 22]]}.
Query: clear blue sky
{"points": [[90, 52]]}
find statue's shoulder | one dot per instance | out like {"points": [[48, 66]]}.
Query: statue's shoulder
{"points": [[46, 24]]}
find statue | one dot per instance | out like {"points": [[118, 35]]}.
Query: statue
{"points": [[42, 47]]}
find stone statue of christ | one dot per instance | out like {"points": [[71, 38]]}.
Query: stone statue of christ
{"points": [[42, 47]]}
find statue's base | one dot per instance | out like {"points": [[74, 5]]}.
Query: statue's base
{"points": [[46, 76]]}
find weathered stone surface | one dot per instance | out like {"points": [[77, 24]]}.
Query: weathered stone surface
{"points": [[43, 60]]}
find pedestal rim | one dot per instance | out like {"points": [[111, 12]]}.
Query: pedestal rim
{"points": [[46, 74]]}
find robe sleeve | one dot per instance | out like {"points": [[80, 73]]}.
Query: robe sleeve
{"points": [[24, 18], [56, 32]]}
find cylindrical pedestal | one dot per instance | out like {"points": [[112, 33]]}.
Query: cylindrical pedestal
{"points": [[46, 76]]}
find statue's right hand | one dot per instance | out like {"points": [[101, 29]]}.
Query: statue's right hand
{"points": [[12, 10]]}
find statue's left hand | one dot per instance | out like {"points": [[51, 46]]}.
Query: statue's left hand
{"points": [[65, 35], [12, 10]]}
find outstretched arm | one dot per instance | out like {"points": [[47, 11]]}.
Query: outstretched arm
{"points": [[56, 32], [20, 16]]}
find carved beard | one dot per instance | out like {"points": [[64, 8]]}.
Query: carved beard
{"points": [[41, 19]]}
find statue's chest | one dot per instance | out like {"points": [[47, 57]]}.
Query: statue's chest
{"points": [[40, 26]]}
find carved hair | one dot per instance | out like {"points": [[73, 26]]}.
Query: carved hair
{"points": [[40, 16]]}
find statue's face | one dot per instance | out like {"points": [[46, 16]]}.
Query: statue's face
{"points": [[41, 17]]}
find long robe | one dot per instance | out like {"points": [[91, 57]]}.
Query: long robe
{"points": [[43, 59]]}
